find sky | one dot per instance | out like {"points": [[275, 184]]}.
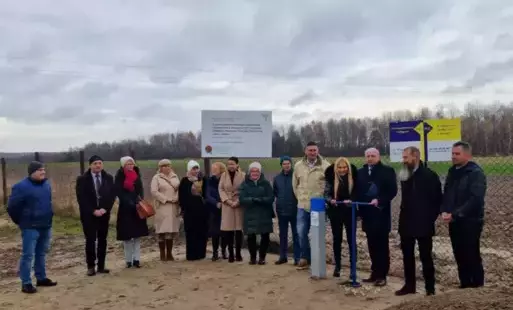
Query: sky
{"points": [[74, 71]]}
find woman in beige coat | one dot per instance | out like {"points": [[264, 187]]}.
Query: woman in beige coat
{"points": [[231, 213], [164, 188]]}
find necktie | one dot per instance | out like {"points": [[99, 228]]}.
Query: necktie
{"points": [[370, 170], [97, 185]]}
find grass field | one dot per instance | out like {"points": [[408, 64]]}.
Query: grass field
{"points": [[499, 165]]}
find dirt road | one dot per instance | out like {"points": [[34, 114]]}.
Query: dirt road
{"points": [[196, 285]]}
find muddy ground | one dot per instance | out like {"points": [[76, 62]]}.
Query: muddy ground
{"points": [[180, 284]]}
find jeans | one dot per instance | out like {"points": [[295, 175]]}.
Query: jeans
{"points": [[283, 223], [303, 229], [35, 245], [132, 250]]}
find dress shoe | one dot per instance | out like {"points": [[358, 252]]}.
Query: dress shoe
{"points": [[405, 290], [91, 272], [28, 289]]}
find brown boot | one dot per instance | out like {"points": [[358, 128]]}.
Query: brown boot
{"points": [[169, 250], [162, 248]]}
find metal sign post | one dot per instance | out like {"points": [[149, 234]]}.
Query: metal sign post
{"points": [[318, 242], [354, 208]]}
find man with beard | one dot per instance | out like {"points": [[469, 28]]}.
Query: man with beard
{"points": [[378, 186], [421, 197], [463, 208]]}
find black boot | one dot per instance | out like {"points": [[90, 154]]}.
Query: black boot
{"points": [[136, 264], [162, 248], [336, 271], [169, 250], [238, 245]]}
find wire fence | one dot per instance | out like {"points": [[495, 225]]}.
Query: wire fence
{"points": [[496, 241]]}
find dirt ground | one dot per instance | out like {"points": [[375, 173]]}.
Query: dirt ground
{"points": [[464, 300], [181, 284]]}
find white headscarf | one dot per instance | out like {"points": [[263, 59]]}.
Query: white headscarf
{"points": [[191, 164], [255, 165], [126, 159]]}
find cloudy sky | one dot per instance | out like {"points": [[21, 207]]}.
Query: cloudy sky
{"points": [[77, 71]]}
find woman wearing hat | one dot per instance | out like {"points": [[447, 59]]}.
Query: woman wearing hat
{"points": [[256, 198], [164, 188], [129, 226], [191, 193]]}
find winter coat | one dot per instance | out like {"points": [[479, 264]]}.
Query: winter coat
{"points": [[309, 182], [164, 190], [30, 204], [421, 198], [129, 225], [256, 198], [86, 195], [464, 193], [381, 184], [286, 201], [212, 199], [231, 218]]}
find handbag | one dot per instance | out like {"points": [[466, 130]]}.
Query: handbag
{"points": [[144, 209]]}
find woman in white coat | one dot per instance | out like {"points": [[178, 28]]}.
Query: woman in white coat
{"points": [[164, 188]]}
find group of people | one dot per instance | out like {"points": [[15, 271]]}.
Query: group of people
{"points": [[231, 203]]}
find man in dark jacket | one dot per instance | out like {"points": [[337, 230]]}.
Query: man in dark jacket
{"points": [[30, 207], [286, 209], [463, 208], [377, 185], [421, 198], [95, 196]]}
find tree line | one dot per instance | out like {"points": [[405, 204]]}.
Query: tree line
{"points": [[488, 127]]}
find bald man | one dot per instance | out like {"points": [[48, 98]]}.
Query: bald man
{"points": [[378, 186]]}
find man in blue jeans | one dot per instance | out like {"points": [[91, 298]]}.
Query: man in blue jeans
{"points": [[30, 207], [308, 181], [286, 209]]}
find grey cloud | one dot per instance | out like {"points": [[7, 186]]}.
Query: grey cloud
{"points": [[300, 116], [135, 64], [493, 72], [302, 99]]}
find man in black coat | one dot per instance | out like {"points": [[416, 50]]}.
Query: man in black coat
{"points": [[421, 198], [95, 197], [377, 185], [463, 208]]}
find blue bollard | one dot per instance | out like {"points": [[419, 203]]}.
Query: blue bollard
{"points": [[318, 242]]}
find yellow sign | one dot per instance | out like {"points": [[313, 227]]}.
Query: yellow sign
{"points": [[444, 129]]}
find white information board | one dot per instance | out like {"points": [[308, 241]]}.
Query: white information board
{"points": [[236, 133]]}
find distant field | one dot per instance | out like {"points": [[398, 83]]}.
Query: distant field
{"points": [[491, 165]]}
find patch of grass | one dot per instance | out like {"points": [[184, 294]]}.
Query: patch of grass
{"points": [[62, 226]]}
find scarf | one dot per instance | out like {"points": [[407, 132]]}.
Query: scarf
{"points": [[130, 178]]}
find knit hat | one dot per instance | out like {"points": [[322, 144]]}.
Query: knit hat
{"points": [[124, 160], [255, 165], [191, 164], [164, 162], [285, 158], [94, 158], [34, 166]]}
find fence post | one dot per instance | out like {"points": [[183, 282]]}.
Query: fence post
{"points": [[82, 164], [318, 229], [206, 163], [4, 181], [36, 156]]}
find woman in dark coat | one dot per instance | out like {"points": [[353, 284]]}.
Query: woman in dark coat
{"points": [[214, 205], [339, 191], [191, 194], [256, 198], [129, 226]]}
